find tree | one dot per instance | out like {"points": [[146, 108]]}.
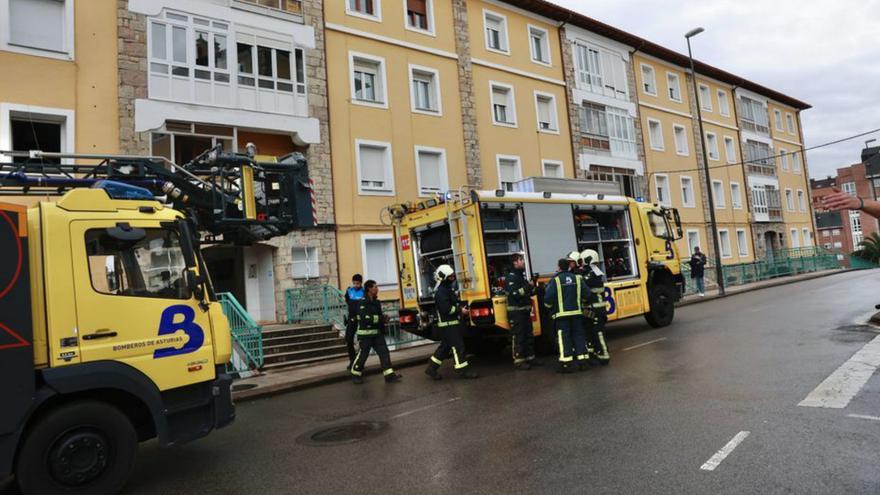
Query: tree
{"points": [[869, 248]]}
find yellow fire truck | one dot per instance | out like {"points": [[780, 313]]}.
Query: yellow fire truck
{"points": [[477, 232], [110, 331]]}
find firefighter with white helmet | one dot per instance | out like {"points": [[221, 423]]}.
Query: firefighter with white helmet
{"points": [[574, 261], [449, 315], [596, 314]]}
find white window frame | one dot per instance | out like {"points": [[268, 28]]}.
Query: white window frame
{"points": [[730, 145], [668, 191], [686, 150], [711, 148], [511, 107], [366, 269], [530, 29], [444, 170], [849, 188], [789, 200], [555, 163], [723, 103], [512, 158], [783, 158], [69, 35], [718, 194], [377, 17], [381, 73], [68, 126], [807, 237], [721, 243], [669, 77], [688, 241], [554, 126], [431, 31], [655, 146], [705, 103], [736, 198], [435, 74], [801, 200], [389, 167], [794, 238], [504, 37], [796, 161], [740, 245], [684, 202], [789, 123], [777, 119], [642, 67], [308, 262]]}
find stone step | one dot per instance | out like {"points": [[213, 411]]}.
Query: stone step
{"points": [[302, 346], [284, 330], [299, 338], [284, 365], [299, 355]]}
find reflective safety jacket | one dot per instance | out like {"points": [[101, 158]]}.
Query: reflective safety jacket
{"points": [[370, 319], [448, 306], [596, 283], [565, 294], [519, 291]]}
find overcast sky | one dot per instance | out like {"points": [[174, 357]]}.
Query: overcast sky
{"points": [[822, 52]]}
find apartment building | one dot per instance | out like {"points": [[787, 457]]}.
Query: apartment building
{"points": [[204, 73], [58, 92]]}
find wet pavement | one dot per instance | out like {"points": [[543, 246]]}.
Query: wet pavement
{"points": [[648, 423]]}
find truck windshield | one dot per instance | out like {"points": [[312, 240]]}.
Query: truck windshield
{"points": [[659, 225], [150, 267]]}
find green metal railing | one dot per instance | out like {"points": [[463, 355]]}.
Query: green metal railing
{"points": [[247, 336], [858, 263], [322, 303]]}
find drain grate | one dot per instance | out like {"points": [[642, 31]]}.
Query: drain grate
{"points": [[343, 433]]}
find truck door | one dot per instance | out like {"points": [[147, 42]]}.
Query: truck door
{"points": [[133, 302]]}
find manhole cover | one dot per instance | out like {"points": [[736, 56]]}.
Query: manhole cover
{"points": [[243, 386], [343, 433]]}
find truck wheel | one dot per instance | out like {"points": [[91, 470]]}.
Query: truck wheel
{"points": [[83, 447], [662, 309]]}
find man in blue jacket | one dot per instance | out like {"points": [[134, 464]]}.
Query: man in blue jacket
{"points": [[353, 297]]}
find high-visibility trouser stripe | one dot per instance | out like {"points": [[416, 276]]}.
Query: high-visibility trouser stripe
{"points": [[604, 354], [574, 312], [389, 371], [519, 308], [582, 357], [436, 361], [442, 323], [458, 364], [368, 332], [598, 290], [562, 357], [599, 304], [354, 364], [520, 360]]}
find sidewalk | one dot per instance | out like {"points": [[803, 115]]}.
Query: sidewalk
{"points": [[299, 377]]}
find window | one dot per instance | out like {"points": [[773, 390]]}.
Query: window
{"points": [[796, 161], [789, 200], [783, 157], [712, 145], [855, 223], [826, 233], [661, 190], [649, 82], [705, 98], [687, 192], [149, 267], [552, 169], [420, 15], [508, 172], [431, 169], [808, 237], [655, 135], [802, 202], [681, 140], [594, 127], [44, 25], [379, 259], [730, 149], [622, 131], [503, 109], [718, 194], [368, 80], [305, 262], [674, 86], [375, 172], [735, 196], [724, 240], [723, 103], [777, 117], [47, 130], [294, 6], [601, 72], [496, 32], [753, 116], [849, 188], [546, 108], [838, 245], [539, 45], [789, 122], [181, 142], [795, 243], [693, 241], [742, 242], [835, 232], [425, 90], [370, 9]]}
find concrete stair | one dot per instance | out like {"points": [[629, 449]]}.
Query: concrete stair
{"points": [[291, 345]]}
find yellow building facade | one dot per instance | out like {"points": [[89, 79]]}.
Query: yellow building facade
{"points": [[794, 181]]}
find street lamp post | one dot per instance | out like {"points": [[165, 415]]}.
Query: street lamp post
{"points": [[719, 273]]}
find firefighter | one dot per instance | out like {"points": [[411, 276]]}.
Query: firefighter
{"points": [[449, 315], [574, 261], [371, 335], [564, 297], [596, 316], [353, 296], [519, 313]]}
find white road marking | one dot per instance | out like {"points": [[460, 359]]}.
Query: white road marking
{"points": [[644, 344], [725, 451], [864, 416], [420, 409], [845, 383]]}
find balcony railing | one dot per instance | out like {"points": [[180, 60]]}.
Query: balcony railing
{"points": [[749, 125], [289, 6], [759, 169]]}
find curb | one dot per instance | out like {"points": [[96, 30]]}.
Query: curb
{"points": [[777, 283]]}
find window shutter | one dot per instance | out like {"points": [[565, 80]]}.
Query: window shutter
{"points": [[507, 172], [499, 96], [545, 111], [417, 6], [37, 23], [429, 172], [373, 163]]}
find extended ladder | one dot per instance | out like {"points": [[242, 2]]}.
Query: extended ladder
{"points": [[462, 257]]}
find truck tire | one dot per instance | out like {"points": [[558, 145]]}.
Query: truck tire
{"points": [[85, 447], [662, 311]]}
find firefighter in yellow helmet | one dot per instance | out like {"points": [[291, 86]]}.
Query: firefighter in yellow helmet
{"points": [[449, 315], [596, 314]]}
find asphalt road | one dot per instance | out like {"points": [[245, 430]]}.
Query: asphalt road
{"points": [[648, 423]]}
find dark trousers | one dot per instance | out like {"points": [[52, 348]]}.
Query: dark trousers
{"points": [[451, 345], [350, 332], [523, 339], [570, 339], [366, 344], [596, 336]]}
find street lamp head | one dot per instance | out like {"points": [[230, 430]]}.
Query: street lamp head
{"points": [[694, 32]]}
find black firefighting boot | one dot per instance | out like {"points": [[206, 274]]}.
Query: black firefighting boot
{"points": [[433, 371], [467, 373], [392, 377]]}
